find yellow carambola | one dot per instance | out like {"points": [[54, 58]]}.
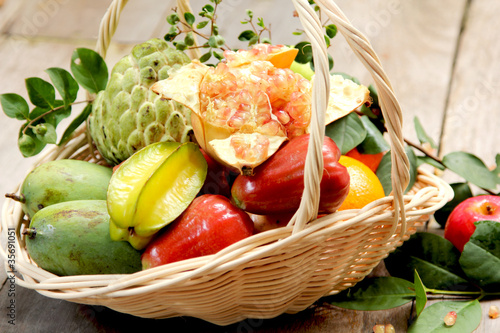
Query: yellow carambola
{"points": [[152, 188]]}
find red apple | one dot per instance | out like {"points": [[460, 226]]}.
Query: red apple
{"points": [[209, 224], [460, 224]]}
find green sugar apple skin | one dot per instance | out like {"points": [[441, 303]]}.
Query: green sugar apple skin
{"points": [[127, 115]]}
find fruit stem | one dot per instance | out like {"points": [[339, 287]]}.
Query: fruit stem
{"points": [[32, 121], [15, 197], [452, 292], [489, 209], [420, 148], [30, 232]]}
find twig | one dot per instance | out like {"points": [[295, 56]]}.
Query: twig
{"points": [[420, 148]]}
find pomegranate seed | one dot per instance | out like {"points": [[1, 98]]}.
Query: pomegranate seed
{"points": [[493, 312], [450, 318]]}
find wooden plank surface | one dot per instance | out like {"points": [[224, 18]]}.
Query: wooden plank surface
{"points": [[416, 41], [472, 115]]}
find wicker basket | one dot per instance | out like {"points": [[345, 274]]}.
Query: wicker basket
{"points": [[279, 271]]}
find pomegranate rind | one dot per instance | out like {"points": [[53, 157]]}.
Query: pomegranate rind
{"points": [[249, 153], [345, 96], [183, 85], [276, 102], [204, 130], [280, 56]]}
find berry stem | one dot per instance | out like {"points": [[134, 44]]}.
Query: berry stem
{"points": [[32, 121]]}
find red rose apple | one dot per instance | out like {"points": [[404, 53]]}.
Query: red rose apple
{"points": [[209, 224], [217, 180], [460, 224]]}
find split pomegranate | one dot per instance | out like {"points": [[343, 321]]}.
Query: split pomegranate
{"points": [[248, 105]]}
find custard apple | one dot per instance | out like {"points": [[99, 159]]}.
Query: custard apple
{"points": [[127, 115]]}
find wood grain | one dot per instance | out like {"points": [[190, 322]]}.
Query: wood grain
{"points": [[472, 115], [415, 41]]}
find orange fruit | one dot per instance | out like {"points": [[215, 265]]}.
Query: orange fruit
{"points": [[364, 187], [370, 160]]}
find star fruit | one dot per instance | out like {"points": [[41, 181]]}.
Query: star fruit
{"points": [[152, 188]]}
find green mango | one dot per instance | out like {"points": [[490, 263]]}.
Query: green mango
{"points": [[63, 180], [72, 238]]}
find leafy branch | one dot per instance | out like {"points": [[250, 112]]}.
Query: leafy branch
{"points": [[215, 43], [181, 33], [41, 120]]}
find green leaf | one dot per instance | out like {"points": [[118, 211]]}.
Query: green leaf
{"points": [[347, 132], [189, 17], [206, 56], [304, 55], [56, 116], [180, 45], [202, 24], [373, 94], [384, 170], [75, 124], [215, 29], [15, 106], [48, 135], [420, 294], [26, 144], [218, 55], [246, 35], [331, 30], [471, 168], [375, 294], [65, 84], [173, 19], [171, 35], [189, 39], [249, 13], [266, 40], [421, 134], [374, 141], [462, 191], [431, 320], [260, 22], [254, 40], [40, 92], [330, 62], [434, 257], [208, 9], [327, 41], [496, 171], [89, 69], [216, 41], [37, 112], [480, 258], [427, 160]]}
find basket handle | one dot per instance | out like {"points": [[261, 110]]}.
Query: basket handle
{"points": [[362, 48], [391, 109]]}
